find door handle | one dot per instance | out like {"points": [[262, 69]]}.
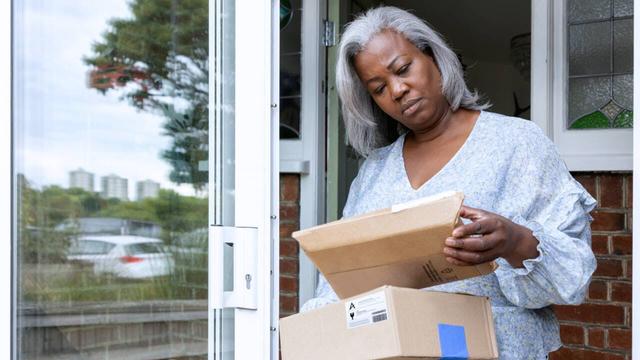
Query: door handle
{"points": [[244, 241]]}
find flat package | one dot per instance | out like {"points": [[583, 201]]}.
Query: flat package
{"points": [[393, 323], [398, 246]]}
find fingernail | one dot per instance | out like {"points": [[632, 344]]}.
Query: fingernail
{"points": [[448, 251], [450, 242]]}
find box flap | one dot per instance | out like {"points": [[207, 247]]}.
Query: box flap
{"points": [[382, 237]]}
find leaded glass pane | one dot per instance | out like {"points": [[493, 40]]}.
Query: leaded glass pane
{"points": [[590, 48], [623, 46], [581, 10], [587, 95], [623, 90], [622, 8], [290, 60]]}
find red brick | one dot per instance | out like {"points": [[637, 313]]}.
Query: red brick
{"points": [[289, 212], [591, 313], [287, 229], [600, 244], [628, 191], [289, 266], [629, 269], [619, 339], [596, 337], [289, 284], [588, 182], [289, 187], [598, 290], [288, 304], [621, 291], [611, 191], [607, 221], [573, 335], [609, 268], [580, 354], [621, 244], [289, 248]]}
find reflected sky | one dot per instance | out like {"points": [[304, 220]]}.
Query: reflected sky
{"points": [[63, 124]]}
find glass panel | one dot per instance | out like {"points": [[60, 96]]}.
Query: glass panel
{"points": [[590, 48], [101, 272], [622, 8], [587, 95], [623, 46], [290, 59], [581, 10], [623, 91]]}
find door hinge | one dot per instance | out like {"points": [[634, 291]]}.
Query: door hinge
{"points": [[329, 36]]}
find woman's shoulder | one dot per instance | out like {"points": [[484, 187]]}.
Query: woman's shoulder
{"points": [[514, 130]]}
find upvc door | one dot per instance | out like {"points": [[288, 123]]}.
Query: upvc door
{"points": [[143, 193]]}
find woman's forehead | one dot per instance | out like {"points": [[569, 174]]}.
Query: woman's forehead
{"points": [[387, 45]]}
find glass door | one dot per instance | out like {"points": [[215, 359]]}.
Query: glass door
{"points": [[136, 132]]}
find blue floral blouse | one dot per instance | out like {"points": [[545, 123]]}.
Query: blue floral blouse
{"points": [[509, 167]]}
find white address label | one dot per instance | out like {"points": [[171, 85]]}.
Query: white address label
{"points": [[367, 309]]}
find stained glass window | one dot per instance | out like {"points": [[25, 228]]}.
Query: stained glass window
{"points": [[600, 50], [290, 60]]}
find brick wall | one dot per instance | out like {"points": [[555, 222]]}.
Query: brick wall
{"points": [[289, 222], [601, 327]]}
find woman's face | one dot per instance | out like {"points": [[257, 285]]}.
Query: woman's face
{"points": [[402, 80]]}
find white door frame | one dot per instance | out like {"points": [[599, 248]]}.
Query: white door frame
{"points": [[256, 174], [306, 156]]}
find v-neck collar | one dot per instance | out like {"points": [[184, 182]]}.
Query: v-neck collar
{"points": [[400, 155]]}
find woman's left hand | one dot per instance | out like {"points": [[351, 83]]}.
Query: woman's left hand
{"points": [[487, 237]]}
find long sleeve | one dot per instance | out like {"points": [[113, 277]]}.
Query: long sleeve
{"points": [[556, 209]]}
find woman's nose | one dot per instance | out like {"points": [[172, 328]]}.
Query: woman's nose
{"points": [[399, 88]]}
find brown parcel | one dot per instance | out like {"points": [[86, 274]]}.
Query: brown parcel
{"points": [[410, 327], [399, 246]]}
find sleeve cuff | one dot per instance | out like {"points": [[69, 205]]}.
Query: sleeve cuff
{"points": [[528, 264]]}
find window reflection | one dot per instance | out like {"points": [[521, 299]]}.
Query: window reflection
{"points": [[112, 183]]}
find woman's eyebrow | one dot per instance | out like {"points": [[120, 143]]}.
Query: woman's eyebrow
{"points": [[376, 78], [393, 61]]}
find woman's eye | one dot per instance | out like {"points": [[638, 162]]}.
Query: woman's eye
{"points": [[403, 69], [379, 89]]}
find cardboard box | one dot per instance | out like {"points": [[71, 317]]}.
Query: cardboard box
{"points": [[393, 323], [400, 246]]}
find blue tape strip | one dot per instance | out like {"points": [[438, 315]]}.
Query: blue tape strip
{"points": [[453, 343]]}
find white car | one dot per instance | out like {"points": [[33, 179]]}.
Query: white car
{"points": [[133, 257]]}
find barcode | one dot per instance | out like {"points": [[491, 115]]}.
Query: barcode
{"points": [[381, 317]]}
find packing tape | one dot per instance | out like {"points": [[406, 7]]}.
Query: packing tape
{"points": [[453, 343]]}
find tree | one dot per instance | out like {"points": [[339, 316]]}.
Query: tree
{"points": [[158, 61]]}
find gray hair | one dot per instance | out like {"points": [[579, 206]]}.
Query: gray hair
{"points": [[368, 127]]}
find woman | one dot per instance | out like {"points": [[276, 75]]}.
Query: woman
{"points": [[522, 207]]}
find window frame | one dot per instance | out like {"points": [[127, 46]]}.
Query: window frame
{"points": [[582, 150], [7, 342]]}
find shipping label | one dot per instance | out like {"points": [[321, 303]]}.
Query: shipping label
{"points": [[367, 309]]}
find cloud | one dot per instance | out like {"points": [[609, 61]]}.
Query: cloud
{"points": [[65, 125]]}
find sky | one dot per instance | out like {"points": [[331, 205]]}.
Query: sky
{"points": [[63, 125]]}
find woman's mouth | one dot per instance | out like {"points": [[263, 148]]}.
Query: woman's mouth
{"points": [[411, 107]]}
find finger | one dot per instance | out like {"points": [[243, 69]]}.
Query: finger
{"points": [[472, 243], [455, 261], [470, 213], [471, 257], [475, 228]]}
